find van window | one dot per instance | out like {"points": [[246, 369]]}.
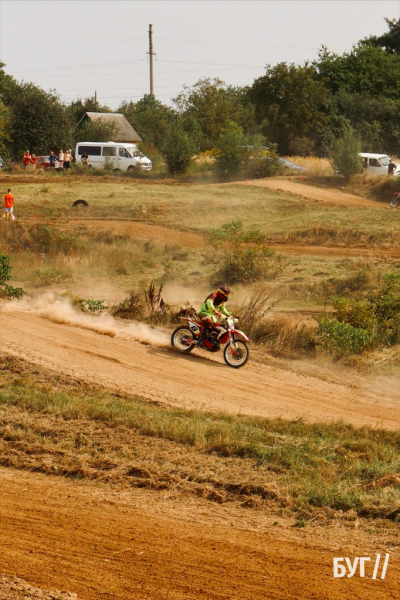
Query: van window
{"points": [[373, 162], [123, 152], [90, 150], [109, 151], [384, 160]]}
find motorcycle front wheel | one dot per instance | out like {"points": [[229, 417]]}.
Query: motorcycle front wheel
{"points": [[178, 339], [237, 356], [394, 202]]}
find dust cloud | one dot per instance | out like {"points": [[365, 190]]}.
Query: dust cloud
{"points": [[59, 310]]}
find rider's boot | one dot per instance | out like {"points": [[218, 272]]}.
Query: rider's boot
{"points": [[202, 336]]}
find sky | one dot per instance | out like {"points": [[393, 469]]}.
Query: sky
{"points": [[79, 47]]}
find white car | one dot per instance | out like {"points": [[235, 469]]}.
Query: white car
{"points": [[123, 157], [378, 164]]}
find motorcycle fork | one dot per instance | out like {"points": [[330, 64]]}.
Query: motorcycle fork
{"points": [[232, 344]]}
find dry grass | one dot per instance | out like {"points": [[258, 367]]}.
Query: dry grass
{"points": [[60, 426], [316, 167]]}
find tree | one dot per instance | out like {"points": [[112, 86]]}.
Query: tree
{"points": [[78, 108], [4, 116], [150, 118], [344, 155], [95, 131], [211, 103], [389, 41], [177, 149], [367, 69], [35, 119], [230, 151], [376, 119], [364, 87], [7, 291], [290, 102]]}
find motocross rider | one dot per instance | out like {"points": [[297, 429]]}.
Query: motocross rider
{"points": [[212, 308]]}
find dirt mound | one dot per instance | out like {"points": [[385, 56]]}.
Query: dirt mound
{"points": [[12, 588]]}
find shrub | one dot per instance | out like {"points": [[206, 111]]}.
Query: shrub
{"points": [[341, 338], [49, 276], [261, 160], [344, 155], [230, 152], [177, 150], [7, 291], [149, 307], [245, 255], [45, 240], [262, 163], [94, 306], [358, 326]]}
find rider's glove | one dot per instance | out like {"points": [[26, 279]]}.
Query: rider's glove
{"points": [[218, 314], [235, 319]]}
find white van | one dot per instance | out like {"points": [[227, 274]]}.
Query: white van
{"points": [[378, 164], [121, 156]]}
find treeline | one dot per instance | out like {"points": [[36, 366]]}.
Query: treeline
{"points": [[300, 109]]}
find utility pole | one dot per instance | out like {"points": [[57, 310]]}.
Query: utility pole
{"points": [[95, 97], [151, 54]]}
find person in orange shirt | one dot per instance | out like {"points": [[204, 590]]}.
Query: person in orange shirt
{"points": [[33, 160], [27, 158], [9, 205]]}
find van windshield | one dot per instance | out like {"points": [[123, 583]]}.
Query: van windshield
{"points": [[384, 160]]}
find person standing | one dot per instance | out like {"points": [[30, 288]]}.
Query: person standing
{"points": [[61, 159], [9, 206], [85, 159], [52, 160], [27, 159], [67, 159], [391, 167], [33, 161]]}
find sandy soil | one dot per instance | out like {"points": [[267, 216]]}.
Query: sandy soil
{"points": [[141, 545], [330, 196], [73, 345]]}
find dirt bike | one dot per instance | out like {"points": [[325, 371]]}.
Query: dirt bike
{"points": [[195, 335], [394, 202]]}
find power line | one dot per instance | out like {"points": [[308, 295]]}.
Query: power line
{"points": [[187, 62], [167, 40], [124, 62], [145, 72], [69, 98], [251, 45], [74, 45], [165, 87]]}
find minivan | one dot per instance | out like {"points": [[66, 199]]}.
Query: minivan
{"points": [[121, 156], [378, 164]]}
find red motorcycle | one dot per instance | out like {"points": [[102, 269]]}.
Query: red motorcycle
{"points": [[187, 337]]}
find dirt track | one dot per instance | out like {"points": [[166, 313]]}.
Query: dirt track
{"points": [[188, 239], [195, 382], [140, 545], [330, 196]]}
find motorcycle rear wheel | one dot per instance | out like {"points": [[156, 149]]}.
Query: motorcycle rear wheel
{"points": [[240, 358], [394, 202], [177, 338]]}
